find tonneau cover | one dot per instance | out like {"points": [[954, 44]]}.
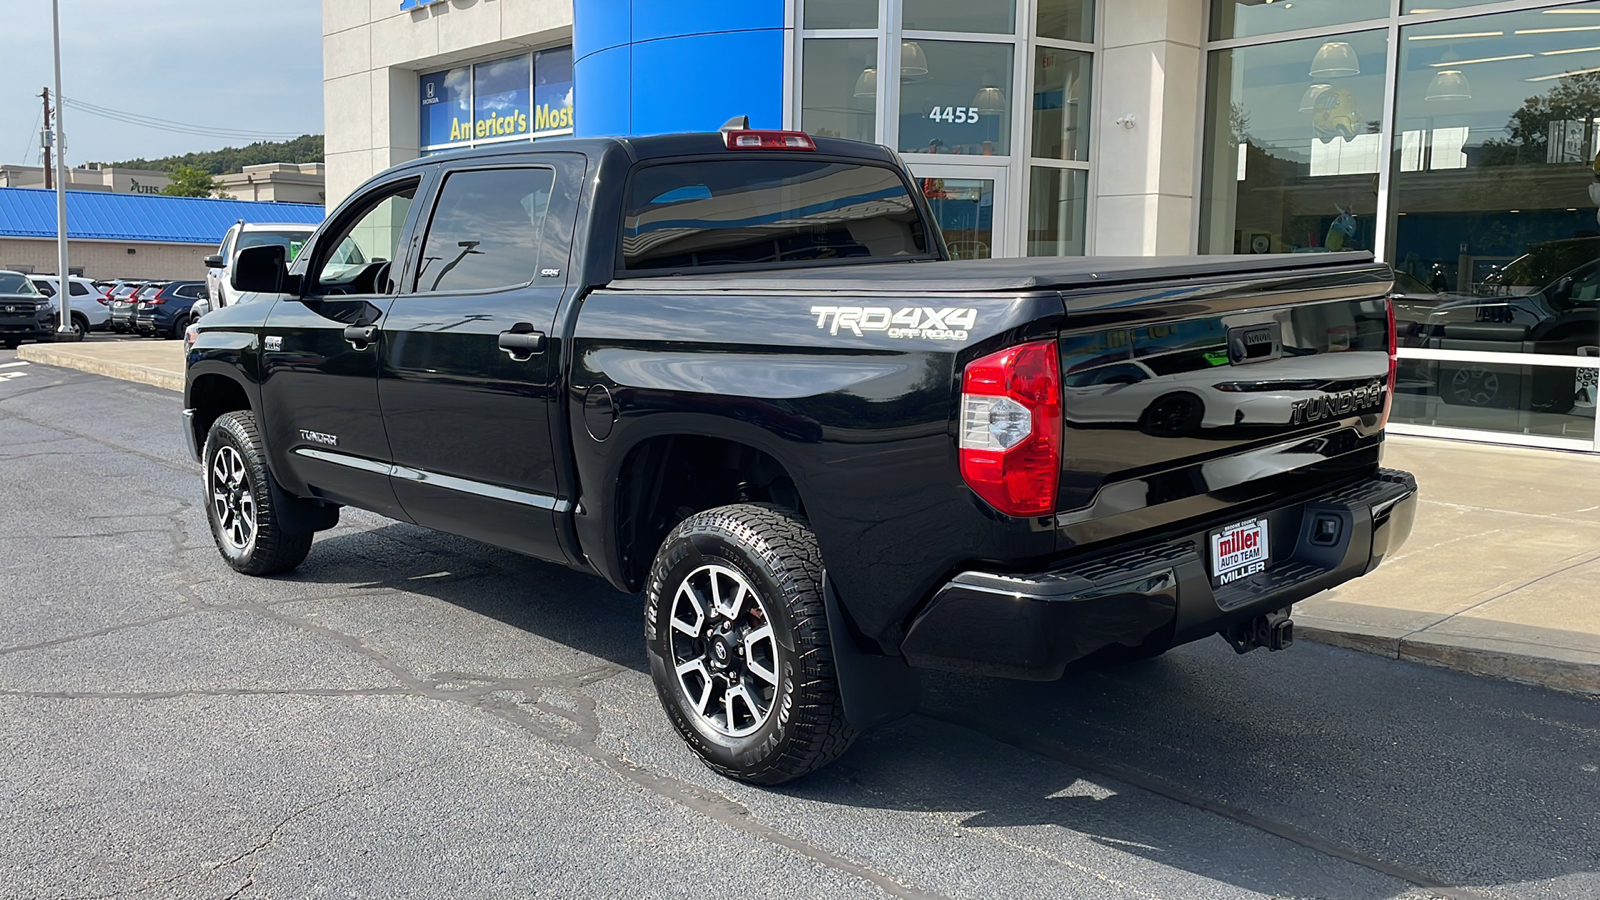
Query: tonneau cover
{"points": [[1031, 273]]}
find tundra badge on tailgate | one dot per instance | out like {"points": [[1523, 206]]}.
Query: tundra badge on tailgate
{"points": [[950, 324]]}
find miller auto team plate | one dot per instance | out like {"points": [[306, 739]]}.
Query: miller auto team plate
{"points": [[1239, 551]]}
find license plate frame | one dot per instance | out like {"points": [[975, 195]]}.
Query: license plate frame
{"points": [[1240, 550]]}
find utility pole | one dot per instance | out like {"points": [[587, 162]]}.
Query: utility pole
{"points": [[64, 332], [44, 139]]}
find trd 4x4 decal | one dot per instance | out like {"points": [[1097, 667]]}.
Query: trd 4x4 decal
{"points": [[924, 322]]}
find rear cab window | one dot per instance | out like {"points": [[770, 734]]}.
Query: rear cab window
{"points": [[750, 213]]}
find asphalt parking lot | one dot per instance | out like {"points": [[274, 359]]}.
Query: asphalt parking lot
{"points": [[417, 715]]}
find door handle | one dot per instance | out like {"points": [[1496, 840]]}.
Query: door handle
{"points": [[521, 345], [360, 336]]}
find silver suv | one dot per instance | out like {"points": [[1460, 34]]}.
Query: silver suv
{"points": [[288, 235]]}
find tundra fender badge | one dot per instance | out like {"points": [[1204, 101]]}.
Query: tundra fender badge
{"points": [[916, 322], [317, 437]]}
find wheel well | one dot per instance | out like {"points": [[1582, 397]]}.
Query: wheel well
{"points": [[668, 479], [213, 395]]}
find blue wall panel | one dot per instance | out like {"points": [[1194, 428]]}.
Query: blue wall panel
{"points": [[603, 91], [697, 83], [601, 24], [652, 66], [656, 19]]}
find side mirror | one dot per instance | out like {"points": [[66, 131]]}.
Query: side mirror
{"points": [[260, 270], [213, 261]]}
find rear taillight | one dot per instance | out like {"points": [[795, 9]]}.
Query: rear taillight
{"points": [[769, 140], [157, 300], [1394, 364], [1010, 441]]}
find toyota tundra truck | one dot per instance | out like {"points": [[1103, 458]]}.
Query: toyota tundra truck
{"points": [[740, 374]]}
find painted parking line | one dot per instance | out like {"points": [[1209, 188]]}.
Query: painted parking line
{"points": [[12, 365], [7, 376]]}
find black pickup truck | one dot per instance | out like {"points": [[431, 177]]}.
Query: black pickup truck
{"points": [[738, 372]]}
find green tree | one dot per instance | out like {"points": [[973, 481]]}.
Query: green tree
{"points": [[304, 149], [190, 181], [1575, 98]]}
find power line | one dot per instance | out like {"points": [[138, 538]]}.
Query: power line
{"points": [[180, 127], [33, 135], [167, 122]]}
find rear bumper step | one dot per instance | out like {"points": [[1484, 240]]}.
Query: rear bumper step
{"points": [[1033, 626]]}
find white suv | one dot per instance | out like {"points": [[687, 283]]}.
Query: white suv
{"points": [[89, 309], [290, 236]]}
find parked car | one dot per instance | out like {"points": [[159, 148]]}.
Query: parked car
{"points": [[288, 235], [120, 306], [742, 374], [25, 314], [89, 309], [122, 311], [166, 312]]}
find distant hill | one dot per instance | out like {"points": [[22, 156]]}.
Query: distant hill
{"points": [[304, 149]]}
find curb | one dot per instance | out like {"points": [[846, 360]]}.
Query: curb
{"points": [[52, 355], [1570, 671]]}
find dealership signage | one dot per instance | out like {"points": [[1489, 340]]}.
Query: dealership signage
{"points": [[414, 4], [518, 96]]}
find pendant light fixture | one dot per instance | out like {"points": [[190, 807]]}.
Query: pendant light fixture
{"points": [[1335, 59], [867, 82], [912, 60], [1449, 84], [990, 100], [1308, 101]]}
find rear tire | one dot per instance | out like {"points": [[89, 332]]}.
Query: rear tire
{"points": [[178, 326], [737, 635], [81, 326], [245, 521]]}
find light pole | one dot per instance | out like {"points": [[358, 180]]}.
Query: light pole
{"points": [[64, 331]]}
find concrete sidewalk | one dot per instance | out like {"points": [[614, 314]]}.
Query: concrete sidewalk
{"points": [[1501, 576], [145, 360]]}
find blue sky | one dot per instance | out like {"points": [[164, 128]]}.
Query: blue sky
{"points": [[243, 65]]}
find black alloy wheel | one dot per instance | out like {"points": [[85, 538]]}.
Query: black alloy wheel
{"points": [[736, 630], [245, 521]]}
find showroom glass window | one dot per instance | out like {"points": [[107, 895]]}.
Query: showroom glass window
{"points": [[989, 104], [1497, 217], [1293, 145], [1474, 170], [513, 98]]}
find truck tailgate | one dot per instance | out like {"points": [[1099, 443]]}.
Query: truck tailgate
{"points": [[1191, 399]]}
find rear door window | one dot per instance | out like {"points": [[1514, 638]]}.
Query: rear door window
{"points": [[764, 211], [486, 230]]}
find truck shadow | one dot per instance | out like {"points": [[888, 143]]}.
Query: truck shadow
{"points": [[1295, 773]]}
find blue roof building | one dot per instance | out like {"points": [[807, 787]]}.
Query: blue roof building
{"points": [[118, 235], [104, 216]]}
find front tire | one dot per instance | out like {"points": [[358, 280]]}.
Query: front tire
{"points": [[245, 521], [737, 634]]}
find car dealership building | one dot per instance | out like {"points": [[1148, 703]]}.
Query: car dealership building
{"points": [[1455, 139]]}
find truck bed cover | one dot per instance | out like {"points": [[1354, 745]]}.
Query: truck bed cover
{"points": [[987, 275]]}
